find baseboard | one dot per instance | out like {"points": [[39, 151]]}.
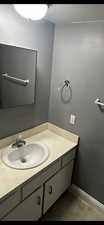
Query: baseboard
{"points": [[78, 192]]}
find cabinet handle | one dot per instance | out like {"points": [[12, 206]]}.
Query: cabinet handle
{"points": [[38, 200], [50, 190]]}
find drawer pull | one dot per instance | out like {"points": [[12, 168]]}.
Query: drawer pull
{"points": [[50, 190], [38, 200]]}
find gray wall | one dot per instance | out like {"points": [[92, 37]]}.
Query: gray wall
{"points": [[15, 30], [79, 56]]}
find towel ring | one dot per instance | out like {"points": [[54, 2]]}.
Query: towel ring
{"points": [[66, 85]]}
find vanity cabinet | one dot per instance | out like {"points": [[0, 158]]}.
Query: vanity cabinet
{"points": [[38, 180], [40, 192], [56, 186], [68, 157], [29, 209], [9, 202]]}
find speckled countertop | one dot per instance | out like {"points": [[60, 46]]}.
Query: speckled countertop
{"points": [[58, 141]]}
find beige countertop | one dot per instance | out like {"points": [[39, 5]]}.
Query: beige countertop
{"points": [[58, 141]]}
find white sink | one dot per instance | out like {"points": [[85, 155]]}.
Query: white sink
{"points": [[28, 156]]}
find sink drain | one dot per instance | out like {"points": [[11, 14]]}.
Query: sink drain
{"points": [[23, 160]]}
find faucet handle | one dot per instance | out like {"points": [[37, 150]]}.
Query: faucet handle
{"points": [[19, 142], [20, 136], [20, 139]]}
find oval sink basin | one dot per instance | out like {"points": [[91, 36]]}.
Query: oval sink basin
{"points": [[28, 156]]}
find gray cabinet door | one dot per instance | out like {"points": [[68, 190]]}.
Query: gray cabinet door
{"points": [[57, 185], [9, 202], [38, 180], [29, 209]]}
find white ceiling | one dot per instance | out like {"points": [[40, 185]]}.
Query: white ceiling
{"points": [[68, 13]]}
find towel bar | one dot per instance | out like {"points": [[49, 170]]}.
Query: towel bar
{"points": [[97, 101], [20, 81]]}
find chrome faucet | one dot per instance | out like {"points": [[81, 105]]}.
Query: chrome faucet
{"points": [[19, 142]]}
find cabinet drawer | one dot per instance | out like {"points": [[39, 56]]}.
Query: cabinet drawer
{"points": [[68, 157], [8, 203], [29, 209], [32, 185], [57, 185]]}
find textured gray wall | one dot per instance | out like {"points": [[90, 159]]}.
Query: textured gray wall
{"points": [[15, 30], [79, 56]]}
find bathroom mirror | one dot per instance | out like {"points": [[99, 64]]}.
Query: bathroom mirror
{"points": [[17, 76]]}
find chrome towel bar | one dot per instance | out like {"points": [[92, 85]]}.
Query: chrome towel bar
{"points": [[17, 80], [97, 101]]}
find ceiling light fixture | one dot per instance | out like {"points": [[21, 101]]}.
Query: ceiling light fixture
{"points": [[31, 11]]}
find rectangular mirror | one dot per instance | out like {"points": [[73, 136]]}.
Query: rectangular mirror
{"points": [[17, 76]]}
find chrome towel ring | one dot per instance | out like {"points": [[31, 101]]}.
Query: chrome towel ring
{"points": [[64, 91]]}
